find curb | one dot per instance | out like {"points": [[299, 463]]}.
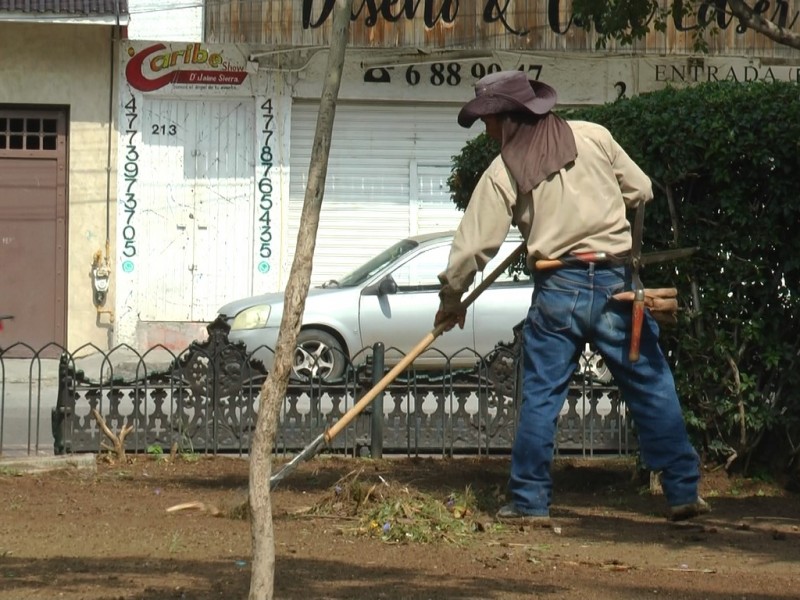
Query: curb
{"points": [[84, 463]]}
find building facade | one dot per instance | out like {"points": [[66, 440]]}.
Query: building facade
{"points": [[216, 136], [57, 173], [58, 180], [149, 175]]}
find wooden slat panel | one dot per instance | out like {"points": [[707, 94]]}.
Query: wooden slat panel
{"points": [[279, 23]]}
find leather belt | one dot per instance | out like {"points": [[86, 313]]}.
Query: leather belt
{"points": [[583, 260]]}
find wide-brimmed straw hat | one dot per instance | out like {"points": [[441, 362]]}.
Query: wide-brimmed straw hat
{"points": [[507, 91]]}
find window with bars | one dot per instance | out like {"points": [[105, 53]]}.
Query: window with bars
{"points": [[28, 133]]}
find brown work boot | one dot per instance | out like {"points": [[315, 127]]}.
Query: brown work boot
{"points": [[511, 515], [681, 512]]}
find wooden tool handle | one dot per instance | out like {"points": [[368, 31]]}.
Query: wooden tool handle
{"points": [[359, 406], [579, 258], [548, 263], [636, 325]]}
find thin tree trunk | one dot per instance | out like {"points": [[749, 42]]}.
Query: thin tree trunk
{"points": [[262, 577]]}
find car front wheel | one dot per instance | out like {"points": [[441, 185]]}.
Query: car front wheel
{"points": [[319, 355]]}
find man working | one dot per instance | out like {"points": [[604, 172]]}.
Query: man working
{"points": [[566, 186]]}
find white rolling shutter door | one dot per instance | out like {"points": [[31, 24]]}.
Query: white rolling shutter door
{"points": [[435, 210], [386, 179]]}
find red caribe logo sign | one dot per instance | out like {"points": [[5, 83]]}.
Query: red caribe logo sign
{"points": [[221, 72]]}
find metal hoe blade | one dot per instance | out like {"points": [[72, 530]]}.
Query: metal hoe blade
{"points": [[307, 453]]}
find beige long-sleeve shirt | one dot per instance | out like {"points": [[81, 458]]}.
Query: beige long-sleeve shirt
{"points": [[581, 208]]}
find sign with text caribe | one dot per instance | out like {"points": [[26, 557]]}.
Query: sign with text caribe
{"points": [[156, 66]]}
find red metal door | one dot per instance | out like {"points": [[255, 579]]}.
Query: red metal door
{"points": [[33, 228]]}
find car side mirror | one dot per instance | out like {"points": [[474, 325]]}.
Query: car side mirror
{"points": [[387, 286], [384, 287]]}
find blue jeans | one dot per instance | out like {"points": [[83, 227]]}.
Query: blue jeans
{"points": [[572, 306]]}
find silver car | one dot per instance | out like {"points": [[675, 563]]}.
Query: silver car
{"points": [[392, 298]]}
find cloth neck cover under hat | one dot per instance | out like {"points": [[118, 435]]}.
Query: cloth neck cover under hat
{"points": [[536, 143]]}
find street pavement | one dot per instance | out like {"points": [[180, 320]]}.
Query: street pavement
{"points": [[122, 362], [29, 390]]}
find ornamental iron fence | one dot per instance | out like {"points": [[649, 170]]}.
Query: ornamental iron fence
{"points": [[205, 399]]}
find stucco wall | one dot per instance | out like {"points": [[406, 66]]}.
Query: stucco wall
{"points": [[70, 65], [165, 20]]}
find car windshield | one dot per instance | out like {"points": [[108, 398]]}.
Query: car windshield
{"points": [[377, 263]]}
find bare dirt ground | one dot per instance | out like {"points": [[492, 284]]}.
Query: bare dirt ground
{"points": [[109, 536]]}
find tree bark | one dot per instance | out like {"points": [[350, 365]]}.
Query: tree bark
{"points": [[262, 576], [117, 440]]}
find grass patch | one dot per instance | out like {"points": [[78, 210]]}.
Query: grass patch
{"points": [[175, 543]]}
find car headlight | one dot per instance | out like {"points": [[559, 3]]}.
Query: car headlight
{"points": [[252, 318]]}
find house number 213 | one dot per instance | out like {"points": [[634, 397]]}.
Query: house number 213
{"points": [[164, 129]]}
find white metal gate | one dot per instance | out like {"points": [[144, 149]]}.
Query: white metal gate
{"points": [[199, 160]]}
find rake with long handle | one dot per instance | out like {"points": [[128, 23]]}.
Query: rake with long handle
{"points": [[325, 438]]}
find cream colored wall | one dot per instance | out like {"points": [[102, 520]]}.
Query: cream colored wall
{"points": [[70, 65]]}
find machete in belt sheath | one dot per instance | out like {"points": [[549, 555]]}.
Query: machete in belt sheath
{"points": [[636, 284]]}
